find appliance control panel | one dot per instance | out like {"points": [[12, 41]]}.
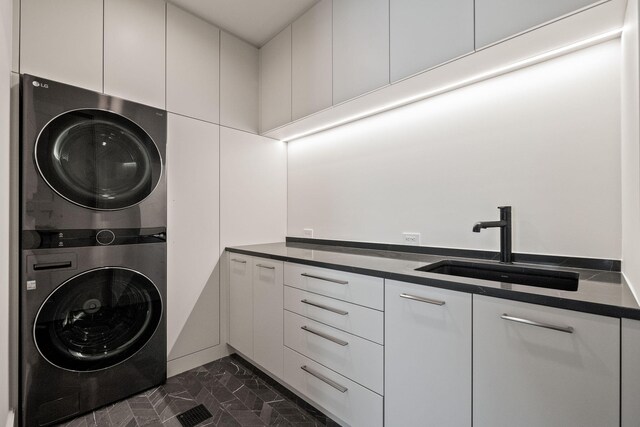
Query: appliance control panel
{"points": [[48, 239]]}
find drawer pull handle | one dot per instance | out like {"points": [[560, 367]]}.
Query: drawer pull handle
{"points": [[322, 378], [326, 279], [325, 336], [325, 307], [421, 299], [241, 261], [268, 267], [51, 265], [566, 329]]}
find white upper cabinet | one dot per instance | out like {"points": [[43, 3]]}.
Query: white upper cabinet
{"points": [[538, 366], [62, 41], [134, 50], [425, 33], [239, 77], [311, 61], [500, 19], [275, 81], [360, 47], [193, 66]]}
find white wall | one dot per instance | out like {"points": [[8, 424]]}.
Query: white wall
{"points": [[253, 189], [545, 139], [6, 15], [630, 147]]}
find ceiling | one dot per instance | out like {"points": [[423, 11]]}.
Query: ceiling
{"points": [[255, 21]]}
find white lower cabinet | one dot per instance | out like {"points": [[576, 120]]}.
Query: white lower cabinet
{"points": [[630, 406], [267, 314], [353, 404], [241, 303], [538, 366], [256, 310], [427, 356], [439, 357]]}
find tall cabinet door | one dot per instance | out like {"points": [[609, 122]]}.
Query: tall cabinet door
{"points": [[193, 247], [425, 33], [499, 19], [540, 366], [268, 311], [134, 50], [241, 303], [360, 47], [427, 356], [62, 40]]}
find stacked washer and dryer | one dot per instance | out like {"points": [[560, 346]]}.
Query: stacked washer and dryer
{"points": [[93, 250]]}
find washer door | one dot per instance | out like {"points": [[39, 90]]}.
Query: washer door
{"points": [[98, 159], [97, 319]]}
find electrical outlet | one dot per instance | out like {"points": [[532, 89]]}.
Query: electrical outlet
{"points": [[411, 239], [308, 232]]}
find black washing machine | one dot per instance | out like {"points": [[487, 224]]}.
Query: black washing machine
{"points": [[91, 335], [93, 250], [90, 161]]}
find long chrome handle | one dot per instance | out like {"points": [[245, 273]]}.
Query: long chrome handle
{"points": [[325, 307], [325, 336], [241, 261], [326, 279], [421, 299], [566, 329], [322, 378], [268, 267]]}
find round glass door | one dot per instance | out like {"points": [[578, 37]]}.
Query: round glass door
{"points": [[97, 319], [98, 159]]}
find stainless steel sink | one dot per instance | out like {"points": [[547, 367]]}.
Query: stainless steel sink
{"points": [[506, 273]]}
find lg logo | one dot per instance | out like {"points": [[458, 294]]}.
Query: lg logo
{"points": [[42, 85]]}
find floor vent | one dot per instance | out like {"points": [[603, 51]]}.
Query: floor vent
{"points": [[194, 416]]}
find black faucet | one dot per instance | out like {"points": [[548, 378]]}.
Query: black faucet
{"points": [[505, 232]]}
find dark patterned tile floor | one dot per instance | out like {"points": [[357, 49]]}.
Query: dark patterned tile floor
{"points": [[235, 392]]}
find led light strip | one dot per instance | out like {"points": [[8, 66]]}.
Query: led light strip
{"points": [[609, 35]]}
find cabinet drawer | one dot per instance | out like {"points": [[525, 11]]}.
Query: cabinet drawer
{"points": [[354, 357], [355, 319], [355, 288], [356, 406]]}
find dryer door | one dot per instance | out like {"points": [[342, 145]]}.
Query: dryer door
{"points": [[97, 319], [98, 159]]}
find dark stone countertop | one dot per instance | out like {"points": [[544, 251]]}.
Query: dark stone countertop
{"points": [[599, 292]]}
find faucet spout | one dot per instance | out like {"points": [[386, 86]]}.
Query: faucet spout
{"points": [[488, 224]]}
